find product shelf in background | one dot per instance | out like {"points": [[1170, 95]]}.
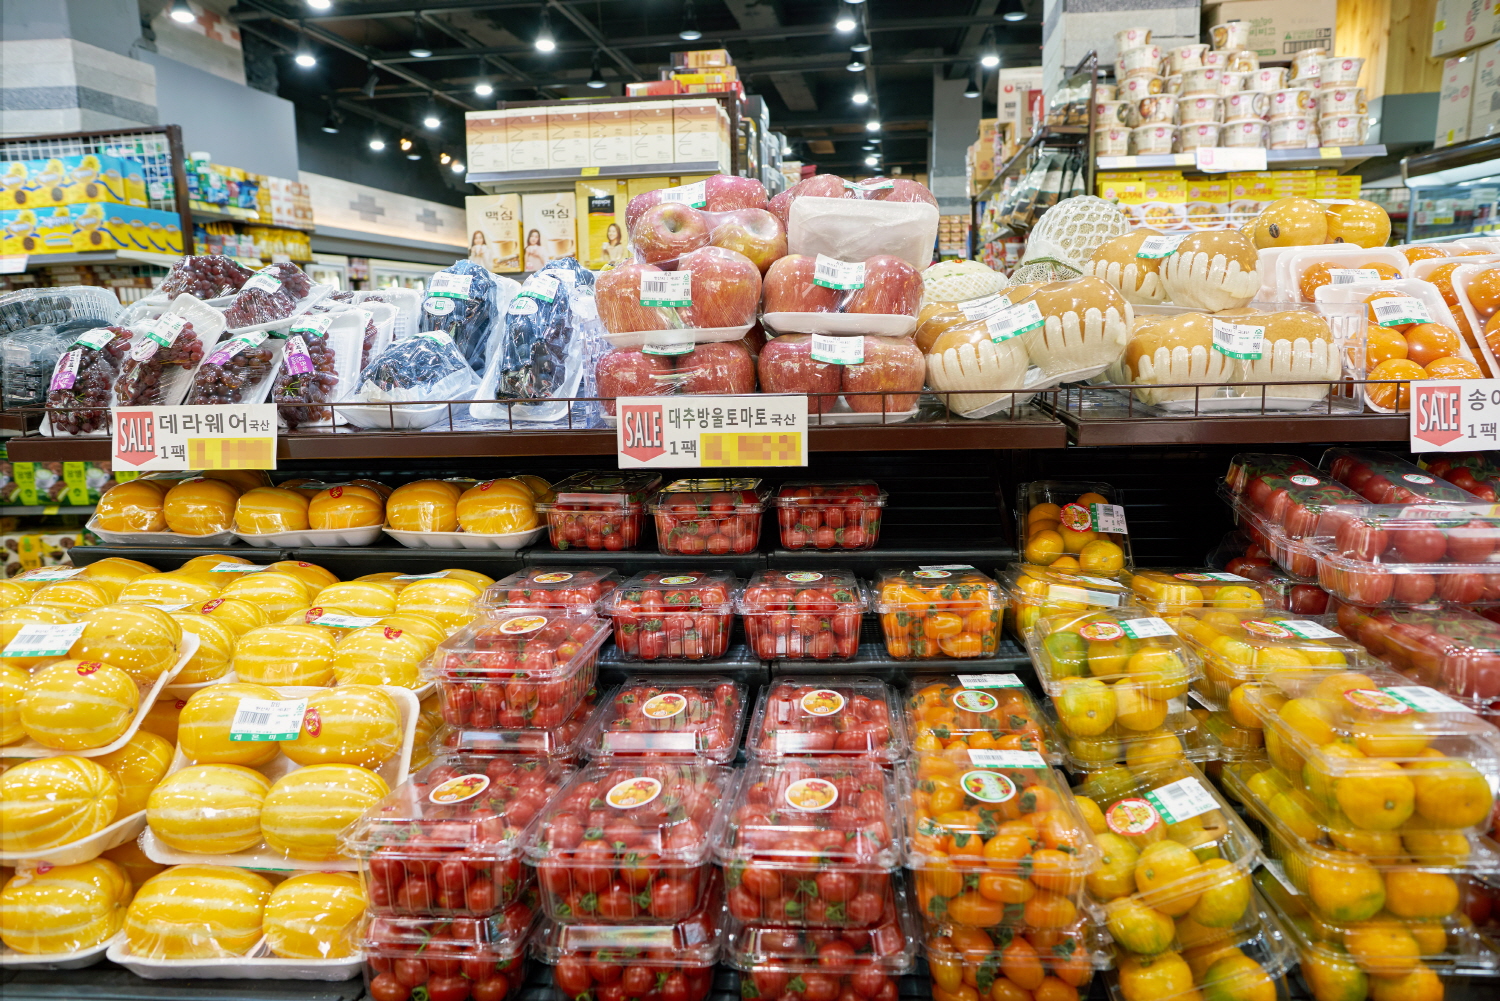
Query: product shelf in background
{"points": [[1342, 157]]}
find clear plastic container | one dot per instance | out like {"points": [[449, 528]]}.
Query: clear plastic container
{"points": [[714, 516], [1158, 730], [599, 509], [1034, 591], [563, 743], [447, 841], [832, 718], [631, 842], [1471, 471], [1170, 592], [668, 717], [1057, 521], [959, 956], [1235, 742], [1378, 754], [803, 614], [1173, 847], [1278, 511], [1451, 649], [672, 615], [955, 712], [843, 514], [939, 612], [1239, 646], [552, 587], [447, 957], [519, 668], [1390, 554], [1246, 467], [1111, 646], [1383, 478], [808, 842], [1299, 595]]}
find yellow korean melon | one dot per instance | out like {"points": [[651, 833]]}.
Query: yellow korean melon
{"points": [[138, 639], [380, 655], [275, 592], [13, 682], [216, 643], [313, 577], [429, 721], [133, 861], [75, 595], [13, 619], [285, 655], [350, 724], [67, 908], [73, 705], [419, 624], [167, 589], [47, 802], [161, 718], [307, 809], [13, 594], [447, 599], [316, 915], [239, 615], [113, 572], [204, 725], [197, 912], [208, 809], [140, 766], [359, 597]]}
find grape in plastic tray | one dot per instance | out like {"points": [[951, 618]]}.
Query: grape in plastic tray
{"points": [[235, 371], [146, 373], [462, 303], [271, 294], [426, 367], [85, 376], [207, 277], [537, 352]]}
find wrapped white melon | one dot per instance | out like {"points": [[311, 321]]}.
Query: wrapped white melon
{"points": [[1137, 278], [1212, 271], [1087, 324], [965, 357], [959, 281], [1177, 352], [1071, 230], [1299, 346], [936, 317]]}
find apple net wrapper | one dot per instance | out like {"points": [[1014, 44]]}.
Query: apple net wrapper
{"points": [[1212, 283], [1300, 360], [1181, 366], [1139, 286], [1073, 347]]}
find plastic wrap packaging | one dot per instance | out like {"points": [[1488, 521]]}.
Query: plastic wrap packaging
{"points": [[237, 370], [935, 613], [272, 293], [541, 346], [829, 717], [719, 193], [58, 307], [880, 295], [207, 277], [885, 189], [378, 332], [966, 355], [428, 366], [722, 367], [710, 295], [1470, 471], [1383, 478], [721, 211], [464, 302], [30, 356], [319, 364], [84, 378], [801, 363], [162, 359]]}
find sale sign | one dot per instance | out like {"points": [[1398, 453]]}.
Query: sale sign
{"points": [[669, 432], [227, 436], [1460, 416]]}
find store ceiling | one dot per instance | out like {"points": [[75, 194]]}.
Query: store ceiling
{"points": [[787, 51]]}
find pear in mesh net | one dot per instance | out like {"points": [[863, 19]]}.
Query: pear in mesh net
{"points": [[1137, 278], [1213, 271]]}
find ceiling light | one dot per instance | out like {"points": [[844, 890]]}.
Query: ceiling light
{"points": [[845, 22], [988, 57], [860, 97], [874, 139], [419, 47], [861, 43], [305, 59], [377, 143], [320, 4], [458, 167], [596, 78], [432, 121], [182, 13], [414, 155], [855, 63], [1014, 11], [989, 60], [444, 157], [972, 90], [873, 125], [405, 144], [331, 123], [371, 82], [689, 32], [854, 1], [420, 51], [484, 88], [871, 161], [544, 40]]}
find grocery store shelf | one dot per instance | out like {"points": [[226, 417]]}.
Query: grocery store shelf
{"points": [[503, 182], [1342, 157], [1453, 164], [1018, 160], [874, 661], [102, 257], [11, 420], [245, 216], [356, 243]]}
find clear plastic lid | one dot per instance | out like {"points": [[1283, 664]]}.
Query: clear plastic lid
{"points": [[560, 743], [1245, 467], [1111, 645], [1383, 478], [1175, 590], [609, 815], [1143, 731], [529, 646], [694, 942], [711, 497], [1078, 525], [1450, 649], [773, 956], [662, 592], [602, 490], [811, 816], [948, 611], [669, 717], [551, 587], [834, 718], [1034, 591], [1239, 646], [798, 495], [500, 938], [803, 614], [956, 712]]}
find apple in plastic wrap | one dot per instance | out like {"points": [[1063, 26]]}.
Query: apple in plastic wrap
{"points": [[666, 232], [727, 192], [632, 372], [891, 363], [618, 295], [718, 367], [754, 340], [891, 286], [819, 185], [755, 233], [787, 366], [725, 288], [789, 288], [903, 190]]}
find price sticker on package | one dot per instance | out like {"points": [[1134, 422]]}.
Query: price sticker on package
{"points": [[1307, 629], [1399, 310], [49, 573], [227, 436], [1007, 759], [1154, 247], [830, 272], [669, 348], [1348, 276], [667, 288], [838, 350], [96, 338], [1108, 518], [310, 325], [1140, 629], [237, 568], [261, 281], [984, 307], [695, 194], [1014, 322], [450, 285], [1181, 800], [692, 432], [261, 720], [541, 286], [990, 681], [1239, 340], [44, 639]]}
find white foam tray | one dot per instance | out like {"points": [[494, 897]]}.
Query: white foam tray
{"points": [[87, 849], [845, 324], [1461, 276], [402, 416], [842, 413], [466, 540], [31, 749], [225, 538], [366, 536], [185, 692], [10, 959], [262, 856], [661, 338], [260, 964]]}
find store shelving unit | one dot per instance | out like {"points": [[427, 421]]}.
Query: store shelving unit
{"points": [[1344, 158]]}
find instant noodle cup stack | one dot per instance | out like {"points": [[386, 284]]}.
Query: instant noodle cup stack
{"points": [[197, 912], [54, 910], [48, 802], [1137, 278], [200, 506]]}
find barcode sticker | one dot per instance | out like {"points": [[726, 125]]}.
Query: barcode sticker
{"points": [[1153, 247], [340, 621], [947, 566], [1426, 700], [66, 372], [1007, 759], [830, 272], [1014, 322], [1100, 581], [1348, 276], [1307, 629], [450, 285], [1139, 629], [1399, 310], [264, 281], [437, 336], [874, 184], [49, 573], [166, 328], [96, 338], [312, 325], [1226, 577], [666, 288], [262, 720], [695, 194], [1181, 800], [838, 350], [983, 307], [421, 576], [647, 742], [1239, 340], [237, 568], [673, 348], [1108, 518], [990, 681], [541, 286], [1066, 592], [44, 639]]}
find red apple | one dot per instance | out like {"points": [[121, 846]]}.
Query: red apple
{"points": [[790, 289], [821, 185], [719, 367], [631, 372], [726, 192], [725, 287], [639, 204], [903, 190], [891, 286], [666, 232], [618, 292], [891, 363], [787, 366], [755, 233], [754, 340]]}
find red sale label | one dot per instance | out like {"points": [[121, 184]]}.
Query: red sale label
{"points": [[1455, 416]]}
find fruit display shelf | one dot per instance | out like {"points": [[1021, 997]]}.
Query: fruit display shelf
{"points": [[874, 661]]}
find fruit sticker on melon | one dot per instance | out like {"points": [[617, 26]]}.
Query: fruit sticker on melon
{"points": [[350, 724], [197, 912], [48, 802], [381, 655]]}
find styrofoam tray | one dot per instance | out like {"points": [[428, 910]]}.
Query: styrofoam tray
{"points": [[465, 540], [1270, 261], [663, 338], [31, 749], [13, 960], [366, 536], [259, 392], [260, 964], [401, 416], [261, 856], [1461, 276], [346, 336], [186, 691], [124, 829], [1292, 266], [844, 324], [842, 413], [224, 538]]}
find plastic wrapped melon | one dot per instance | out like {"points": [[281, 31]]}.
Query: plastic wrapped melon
{"points": [[966, 357], [957, 281]]}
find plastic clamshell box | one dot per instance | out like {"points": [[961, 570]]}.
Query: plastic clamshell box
{"points": [[1129, 646], [841, 514], [494, 672], [1300, 595], [493, 946], [1383, 478], [803, 614], [592, 839], [767, 950], [1281, 512], [673, 615], [1247, 466], [1378, 751], [668, 717], [1390, 554], [959, 952], [954, 712], [1450, 649], [599, 509], [714, 516], [560, 743], [829, 718], [1064, 497], [1172, 731], [1236, 646], [476, 811], [951, 612], [552, 587], [1036, 590], [1172, 591], [691, 945]]}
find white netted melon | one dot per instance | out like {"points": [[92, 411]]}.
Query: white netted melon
{"points": [[957, 281], [1069, 232]]}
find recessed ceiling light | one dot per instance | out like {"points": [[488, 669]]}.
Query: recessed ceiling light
{"points": [[845, 22], [484, 89], [860, 97], [182, 13], [432, 121], [377, 144]]}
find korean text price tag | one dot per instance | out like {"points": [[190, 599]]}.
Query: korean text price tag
{"points": [[1399, 310], [1014, 322], [1153, 247], [1140, 629], [44, 639], [229, 436], [1108, 518], [666, 288], [1307, 629], [1460, 416], [711, 431], [264, 720], [1239, 340], [838, 350], [1181, 800], [832, 273]]}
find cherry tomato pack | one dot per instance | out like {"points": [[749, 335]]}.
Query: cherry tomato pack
{"points": [[559, 744], [937, 612], [668, 717], [803, 614], [447, 959], [552, 587], [829, 718], [671, 615], [715, 516], [1383, 478], [1450, 649], [599, 509], [839, 515]]}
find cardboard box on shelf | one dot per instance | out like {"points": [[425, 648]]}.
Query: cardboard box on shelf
{"points": [[601, 223], [1011, 90], [1279, 29], [696, 58], [28, 550], [695, 131], [1458, 25], [547, 218], [653, 88], [488, 141], [526, 139], [124, 227], [568, 137], [1455, 100], [1484, 114], [651, 133], [609, 135], [1068, 35], [494, 224]]}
